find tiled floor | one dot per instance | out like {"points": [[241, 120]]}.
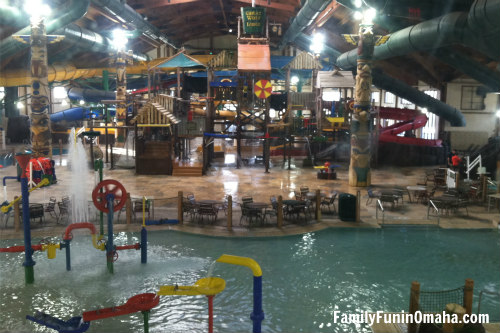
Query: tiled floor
{"points": [[252, 181]]}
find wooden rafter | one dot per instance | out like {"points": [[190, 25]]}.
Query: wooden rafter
{"points": [[141, 7], [271, 4]]}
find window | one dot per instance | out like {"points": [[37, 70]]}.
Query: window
{"points": [[471, 100], [389, 98], [60, 92], [332, 95], [432, 93], [375, 96], [405, 102]]}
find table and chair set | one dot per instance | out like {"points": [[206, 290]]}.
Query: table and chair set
{"points": [[199, 210]]}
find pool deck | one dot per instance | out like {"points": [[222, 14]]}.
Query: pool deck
{"points": [[255, 182]]}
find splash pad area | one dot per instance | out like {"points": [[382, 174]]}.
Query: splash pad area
{"points": [[305, 278]]}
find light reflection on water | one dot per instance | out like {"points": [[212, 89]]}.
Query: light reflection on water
{"points": [[305, 278]]}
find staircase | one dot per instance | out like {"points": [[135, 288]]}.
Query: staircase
{"points": [[187, 169]]}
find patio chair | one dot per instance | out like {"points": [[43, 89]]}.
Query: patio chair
{"points": [[250, 214], [51, 208], [224, 206], [63, 211], [207, 210], [298, 195], [189, 208], [273, 212], [190, 197], [303, 191], [330, 202], [372, 195], [246, 200]]}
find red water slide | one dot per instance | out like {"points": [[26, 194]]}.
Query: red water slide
{"points": [[410, 120], [137, 303]]}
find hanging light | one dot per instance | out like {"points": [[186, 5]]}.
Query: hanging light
{"points": [[318, 42]]}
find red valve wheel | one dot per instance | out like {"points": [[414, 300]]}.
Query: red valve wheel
{"points": [[113, 256], [109, 186]]}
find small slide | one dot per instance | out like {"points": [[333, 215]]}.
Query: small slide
{"points": [[73, 325], [410, 120], [137, 303]]}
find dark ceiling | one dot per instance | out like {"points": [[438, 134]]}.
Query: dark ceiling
{"points": [[183, 20]]}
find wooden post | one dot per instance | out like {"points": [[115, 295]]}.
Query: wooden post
{"points": [[414, 303], [468, 294], [318, 206], [16, 215], [358, 203], [180, 213], [229, 212], [279, 213], [128, 209]]}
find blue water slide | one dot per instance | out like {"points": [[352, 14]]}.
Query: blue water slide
{"points": [[90, 95], [72, 114]]}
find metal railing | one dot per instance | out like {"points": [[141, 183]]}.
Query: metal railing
{"points": [[381, 207], [472, 164], [435, 209]]}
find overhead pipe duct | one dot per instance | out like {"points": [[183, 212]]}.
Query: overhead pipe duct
{"points": [[127, 15], [12, 16], [477, 30], [417, 97], [77, 9], [91, 41], [90, 95], [304, 18]]}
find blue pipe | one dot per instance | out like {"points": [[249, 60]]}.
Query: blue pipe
{"points": [[68, 254], [109, 245], [8, 177], [144, 245], [28, 251], [257, 315], [90, 95], [72, 114]]}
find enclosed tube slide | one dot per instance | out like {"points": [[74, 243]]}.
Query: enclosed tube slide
{"points": [[411, 120]]}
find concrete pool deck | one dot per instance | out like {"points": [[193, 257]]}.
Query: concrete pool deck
{"points": [[252, 181]]}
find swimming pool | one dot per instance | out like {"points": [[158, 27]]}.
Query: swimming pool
{"points": [[305, 278]]}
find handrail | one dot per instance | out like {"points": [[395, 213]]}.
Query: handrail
{"points": [[435, 208], [382, 209], [470, 165], [486, 292]]}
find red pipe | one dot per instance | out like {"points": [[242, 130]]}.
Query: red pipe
{"points": [[20, 248], [135, 246], [210, 313], [80, 225]]}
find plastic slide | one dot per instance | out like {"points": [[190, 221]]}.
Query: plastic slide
{"points": [[72, 114], [73, 325], [410, 120], [137, 303], [206, 286]]}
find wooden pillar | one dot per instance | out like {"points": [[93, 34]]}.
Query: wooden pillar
{"points": [[317, 110], [414, 304], [358, 204], [180, 213], [17, 212], [484, 187], [318, 206], [128, 208], [279, 213], [468, 294], [178, 82], [229, 212], [238, 123], [267, 153]]}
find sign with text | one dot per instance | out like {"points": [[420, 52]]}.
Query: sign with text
{"points": [[254, 19]]}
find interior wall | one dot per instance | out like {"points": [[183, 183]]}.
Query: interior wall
{"points": [[481, 124]]}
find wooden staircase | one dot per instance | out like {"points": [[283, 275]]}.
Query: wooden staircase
{"points": [[187, 169]]}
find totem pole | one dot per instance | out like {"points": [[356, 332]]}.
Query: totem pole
{"points": [[359, 168], [41, 135]]}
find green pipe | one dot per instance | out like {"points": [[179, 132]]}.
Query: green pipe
{"points": [[98, 165], [145, 314]]}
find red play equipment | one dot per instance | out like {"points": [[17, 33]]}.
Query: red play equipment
{"points": [[410, 120], [109, 186], [80, 225], [141, 302]]}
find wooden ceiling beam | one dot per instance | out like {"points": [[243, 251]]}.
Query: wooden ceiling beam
{"points": [[272, 4], [141, 7]]}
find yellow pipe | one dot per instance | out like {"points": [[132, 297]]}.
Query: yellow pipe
{"points": [[51, 249], [205, 286], [60, 73], [95, 239], [242, 261], [153, 125], [43, 182]]}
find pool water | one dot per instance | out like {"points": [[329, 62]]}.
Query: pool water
{"points": [[305, 278]]}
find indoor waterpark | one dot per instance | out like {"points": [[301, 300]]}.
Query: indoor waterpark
{"points": [[250, 166]]}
